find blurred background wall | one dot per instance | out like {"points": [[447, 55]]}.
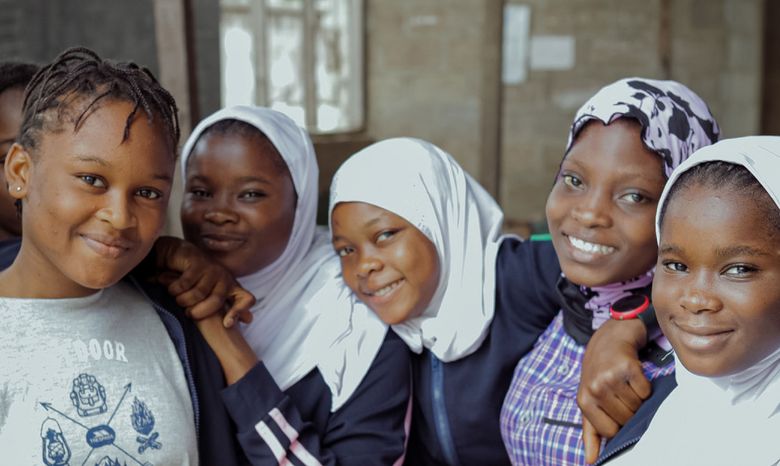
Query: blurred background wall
{"points": [[494, 82]]}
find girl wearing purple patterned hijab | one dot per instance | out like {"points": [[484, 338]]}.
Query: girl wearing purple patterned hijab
{"points": [[623, 144]]}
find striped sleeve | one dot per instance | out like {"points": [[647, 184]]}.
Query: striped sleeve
{"points": [[370, 429]]}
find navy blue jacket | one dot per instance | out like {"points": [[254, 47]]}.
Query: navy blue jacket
{"points": [[254, 422], [457, 404], [633, 430]]}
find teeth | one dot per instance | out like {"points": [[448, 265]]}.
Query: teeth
{"points": [[591, 248], [383, 291]]}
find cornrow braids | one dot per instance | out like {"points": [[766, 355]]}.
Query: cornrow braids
{"points": [[16, 74], [725, 176], [73, 85]]}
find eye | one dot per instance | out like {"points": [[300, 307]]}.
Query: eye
{"points": [[149, 193], [199, 192], [385, 235], [740, 271], [252, 195], [572, 181], [673, 266], [93, 180], [634, 198], [345, 251]]}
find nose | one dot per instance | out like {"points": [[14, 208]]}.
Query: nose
{"points": [[219, 211], [221, 216], [368, 263], [699, 296], [593, 211], [118, 212]]}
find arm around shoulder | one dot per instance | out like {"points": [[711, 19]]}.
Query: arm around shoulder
{"points": [[369, 429]]}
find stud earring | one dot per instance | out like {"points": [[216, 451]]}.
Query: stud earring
{"points": [[18, 188]]}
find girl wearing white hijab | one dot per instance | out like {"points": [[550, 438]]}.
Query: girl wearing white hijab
{"points": [[420, 243], [718, 302], [335, 383]]}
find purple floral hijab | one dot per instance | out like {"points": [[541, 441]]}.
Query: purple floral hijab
{"points": [[675, 123]]}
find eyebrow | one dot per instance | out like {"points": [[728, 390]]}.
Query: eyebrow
{"points": [[740, 250], [368, 224], [669, 249], [106, 164], [622, 174], [243, 179], [92, 159], [726, 252]]}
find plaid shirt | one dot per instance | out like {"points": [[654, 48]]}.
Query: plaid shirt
{"points": [[541, 423]]}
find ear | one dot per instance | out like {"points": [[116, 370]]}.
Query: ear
{"points": [[18, 165]]}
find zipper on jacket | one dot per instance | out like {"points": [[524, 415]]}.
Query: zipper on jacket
{"points": [[173, 321], [615, 451], [440, 412]]}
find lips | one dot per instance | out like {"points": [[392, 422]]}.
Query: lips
{"points": [[383, 293], [107, 246], [702, 337], [222, 242], [588, 247]]}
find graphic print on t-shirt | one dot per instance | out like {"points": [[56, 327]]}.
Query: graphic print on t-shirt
{"points": [[89, 399]]}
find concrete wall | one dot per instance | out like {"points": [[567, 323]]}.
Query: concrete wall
{"points": [[713, 46], [425, 72], [432, 70], [37, 30]]}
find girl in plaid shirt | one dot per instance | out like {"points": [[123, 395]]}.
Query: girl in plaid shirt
{"points": [[623, 144]]}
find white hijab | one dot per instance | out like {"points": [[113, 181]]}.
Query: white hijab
{"points": [[423, 184], [726, 420], [305, 317]]}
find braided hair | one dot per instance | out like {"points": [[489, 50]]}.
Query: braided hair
{"points": [[72, 86], [16, 74]]}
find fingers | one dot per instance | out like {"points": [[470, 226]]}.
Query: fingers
{"points": [[241, 302], [602, 423], [206, 308], [185, 282], [591, 440], [639, 384]]}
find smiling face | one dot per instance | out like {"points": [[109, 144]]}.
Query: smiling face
{"points": [[601, 210], [93, 204], [10, 123], [716, 287], [239, 203], [389, 264]]}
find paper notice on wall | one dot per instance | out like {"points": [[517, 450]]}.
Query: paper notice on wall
{"points": [[517, 19], [552, 53]]}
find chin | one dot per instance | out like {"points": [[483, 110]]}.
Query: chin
{"points": [[703, 367]]}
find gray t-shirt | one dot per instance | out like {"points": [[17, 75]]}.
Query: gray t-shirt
{"points": [[91, 381]]}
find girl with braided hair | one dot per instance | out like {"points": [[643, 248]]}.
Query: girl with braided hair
{"points": [[97, 369]]}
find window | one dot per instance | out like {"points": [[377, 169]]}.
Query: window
{"points": [[301, 57]]}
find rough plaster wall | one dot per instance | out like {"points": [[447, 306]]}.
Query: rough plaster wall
{"points": [[715, 48], [614, 38], [423, 73]]}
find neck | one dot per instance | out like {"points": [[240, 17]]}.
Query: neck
{"points": [[33, 277]]}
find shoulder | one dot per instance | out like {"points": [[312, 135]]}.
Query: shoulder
{"points": [[535, 253], [393, 351], [8, 251]]}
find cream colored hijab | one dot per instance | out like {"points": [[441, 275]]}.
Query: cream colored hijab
{"points": [[305, 316], [423, 184], [731, 420]]}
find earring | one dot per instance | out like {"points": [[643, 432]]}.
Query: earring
{"points": [[18, 188]]}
